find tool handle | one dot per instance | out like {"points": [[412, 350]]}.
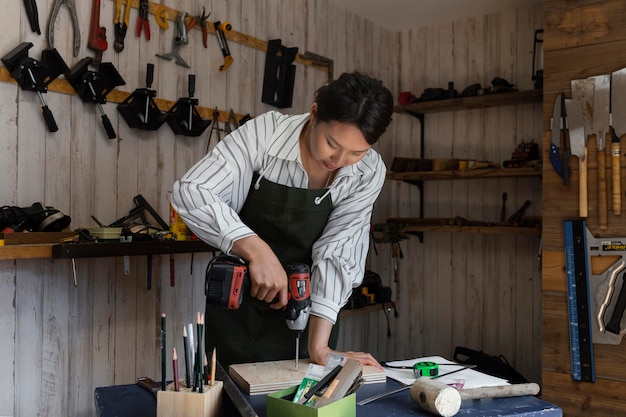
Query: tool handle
{"points": [[617, 177], [583, 205], [602, 199], [149, 272], [50, 122], [555, 159], [149, 75], [191, 88], [613, 325], [172, 271], [566, 171], [108, 127], [503, 391]]}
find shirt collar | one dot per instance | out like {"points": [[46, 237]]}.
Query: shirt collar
{"points": [[285, 145]]}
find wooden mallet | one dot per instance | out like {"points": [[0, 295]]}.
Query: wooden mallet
{"points": [[443, 400]]}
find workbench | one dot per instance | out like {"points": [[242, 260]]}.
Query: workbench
{"points": [[134, 401]]}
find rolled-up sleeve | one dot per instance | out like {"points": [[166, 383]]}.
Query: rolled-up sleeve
{"points": [[340, 253]]}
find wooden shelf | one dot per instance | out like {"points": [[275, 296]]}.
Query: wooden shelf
{"points": [[419, 225], [465, 174], [350, 312], [515, 230], [109, 249], [101, 249], [476, 102], [10, 252]]}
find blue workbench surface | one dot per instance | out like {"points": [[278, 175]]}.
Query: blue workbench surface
{"points": [[134, 401]]}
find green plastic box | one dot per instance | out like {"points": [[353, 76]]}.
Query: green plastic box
{"points": [[279, 405]]}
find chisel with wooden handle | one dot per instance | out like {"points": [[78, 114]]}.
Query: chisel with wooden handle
{"points": [[618, 124]]}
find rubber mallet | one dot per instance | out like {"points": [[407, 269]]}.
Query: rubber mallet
{"points": [[445, 401]]}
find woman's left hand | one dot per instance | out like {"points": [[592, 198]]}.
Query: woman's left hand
{"points": [[319, 334]]}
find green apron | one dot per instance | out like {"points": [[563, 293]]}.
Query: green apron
{"points": [[290, 222]]}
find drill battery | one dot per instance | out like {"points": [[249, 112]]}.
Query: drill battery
{"points": [[226, 281]]}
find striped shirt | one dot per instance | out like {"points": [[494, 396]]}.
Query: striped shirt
{"points": [[211, 194]]}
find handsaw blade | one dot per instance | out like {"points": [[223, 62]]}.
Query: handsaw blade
{"points": [[583, 90], [618, 101], [575, 127], [601, 102]]}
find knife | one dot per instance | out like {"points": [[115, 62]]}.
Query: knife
{"points": [[578, 145], [618, 124], [559, 154], [600, 125]]}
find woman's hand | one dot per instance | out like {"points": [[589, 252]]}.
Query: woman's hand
{"points": [[319, 334], [267, 275]]}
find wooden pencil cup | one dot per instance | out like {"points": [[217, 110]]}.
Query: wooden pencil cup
{"points": [[186, 403]]}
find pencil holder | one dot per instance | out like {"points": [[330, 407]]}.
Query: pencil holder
{"points": [[186, 403]]}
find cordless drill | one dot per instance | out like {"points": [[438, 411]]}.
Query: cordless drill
{"points": [[227, 279]]}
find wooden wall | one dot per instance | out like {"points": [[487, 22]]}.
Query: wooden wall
{"points": [[480, 291], [583, 38], [455, 289]]}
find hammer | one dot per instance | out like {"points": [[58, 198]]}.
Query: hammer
{"points": [[445, 401]]}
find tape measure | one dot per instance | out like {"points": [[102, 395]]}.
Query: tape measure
{"points": [[427, 369], [581, 346]]}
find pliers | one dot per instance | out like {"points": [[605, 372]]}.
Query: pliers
{"points": [[33, 15], [142, 19], [202, 20], [53, 16], [121, 25]]}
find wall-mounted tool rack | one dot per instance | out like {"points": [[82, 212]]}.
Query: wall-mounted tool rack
{"points": [[117, 96]]}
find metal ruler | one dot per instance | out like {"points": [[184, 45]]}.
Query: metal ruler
{"points": [[581, 345]]}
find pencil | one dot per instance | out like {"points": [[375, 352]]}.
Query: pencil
{"points": [[163, 365], [213, 360], [200, 352], [175, 365], [187, 364]]}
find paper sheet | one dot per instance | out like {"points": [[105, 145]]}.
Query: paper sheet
{"points": [[467, 378]]}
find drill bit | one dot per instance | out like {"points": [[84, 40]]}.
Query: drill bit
{"points": [[297, 349]]}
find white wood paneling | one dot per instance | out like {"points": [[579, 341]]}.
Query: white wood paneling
{"points": [[480, 291]]}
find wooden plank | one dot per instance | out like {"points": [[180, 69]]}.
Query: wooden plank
{"points": [[579, 398], [265, 377], [8, 348], [464, 174], [477, 102], [25, 251], [29, 296], [31, 238], [588, 23]]}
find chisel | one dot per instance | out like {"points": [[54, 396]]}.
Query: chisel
{"points": [[618, 125]]}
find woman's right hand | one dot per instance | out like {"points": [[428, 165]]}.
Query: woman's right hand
{"points": [[267, 275]]}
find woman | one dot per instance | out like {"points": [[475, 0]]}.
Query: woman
{"points": [[283, 189]]}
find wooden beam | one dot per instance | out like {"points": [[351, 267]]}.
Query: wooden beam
{"points": [[61, 85], [235, 36]]}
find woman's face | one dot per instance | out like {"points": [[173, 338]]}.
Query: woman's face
{"points": [[334, 145]]}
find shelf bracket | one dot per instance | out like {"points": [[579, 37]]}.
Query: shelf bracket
{"points": [[419, 183]]}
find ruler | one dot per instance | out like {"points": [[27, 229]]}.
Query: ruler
{"points": [[581, 345]]}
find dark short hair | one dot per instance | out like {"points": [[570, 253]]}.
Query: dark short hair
{"points": [[357, 99]]}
